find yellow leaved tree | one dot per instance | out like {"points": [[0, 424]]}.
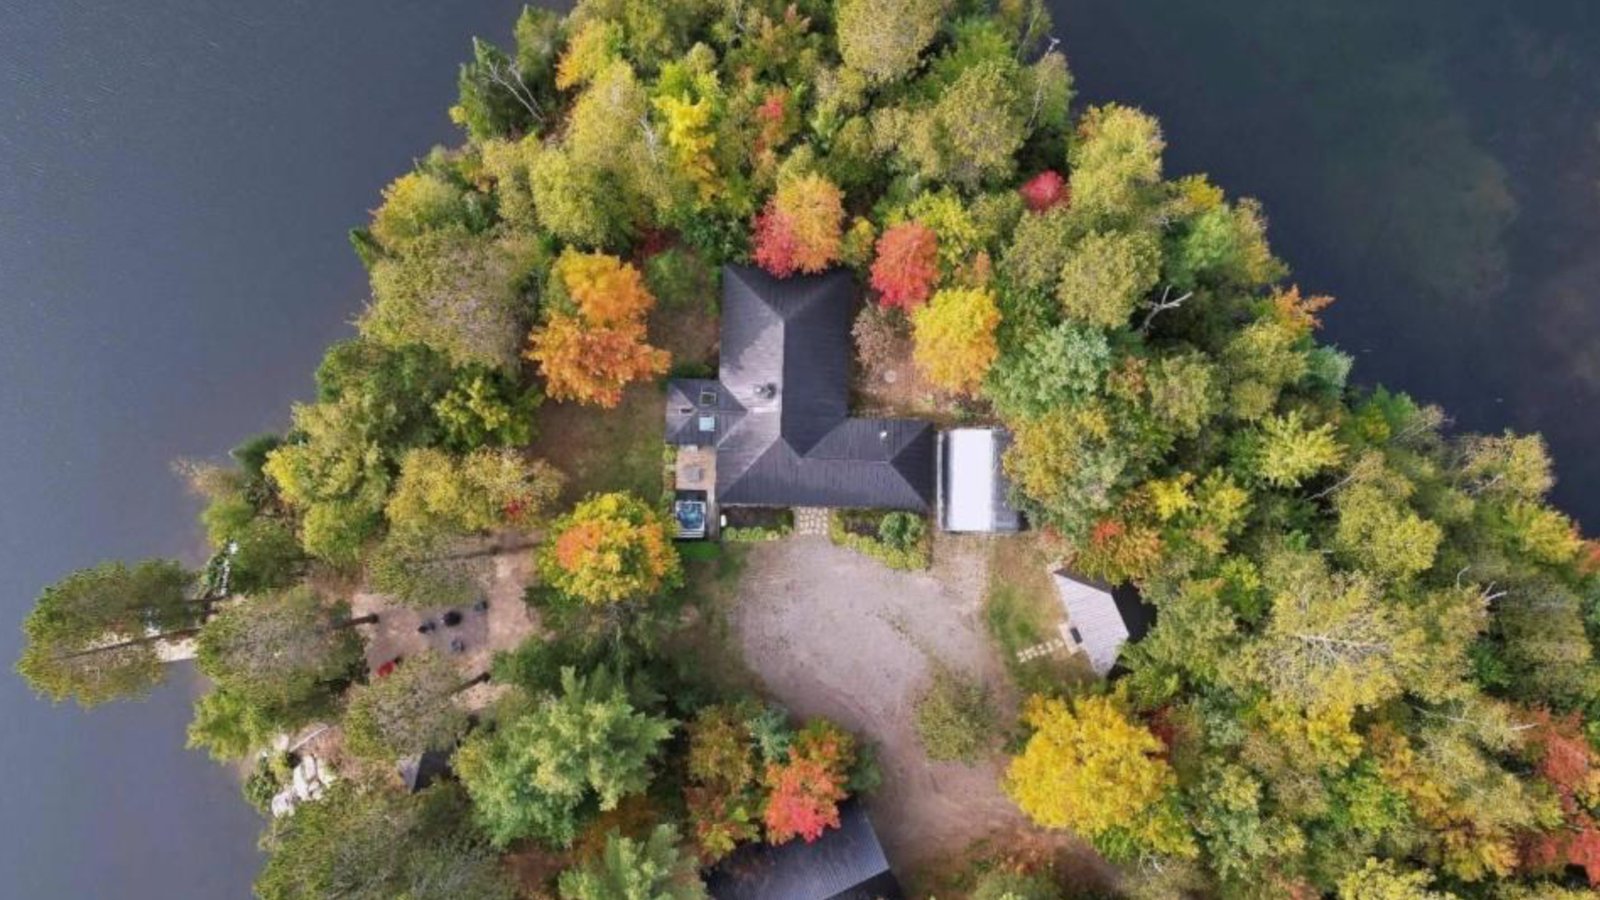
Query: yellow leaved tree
{"points": [[1088, 768]]}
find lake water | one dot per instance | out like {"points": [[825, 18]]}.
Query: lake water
{"points": [[176, 179]]}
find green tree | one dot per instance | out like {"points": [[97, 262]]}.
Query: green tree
{"points": [[1011, 883], [1053, 368], [485, 408], [367, 843], [882, 38], [539, 775], [427, 568], [94, 635], [1115, 168], [1184, 392], [286, 652], [1290, 450], [653, 869], [456, 293], [409, 711], [1334, 640], [228, 726], [502, 94], [972, 132], [1106, 275], [1379, 531], [1383, 880], [486, 489]]}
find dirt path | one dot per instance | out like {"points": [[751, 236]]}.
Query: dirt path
{"points": [[833, 633]]}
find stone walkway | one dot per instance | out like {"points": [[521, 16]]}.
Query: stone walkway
{"points": [[811, 520]]}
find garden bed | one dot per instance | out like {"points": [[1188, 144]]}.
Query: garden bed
{"points": [[899, 540], [754, 524]]}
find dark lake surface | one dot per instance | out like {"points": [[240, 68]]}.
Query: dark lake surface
{"points": [[176, 178], [1433, 164]]}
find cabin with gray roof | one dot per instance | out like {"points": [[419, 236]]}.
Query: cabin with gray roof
{"points": [[1100, 618], [845, 863], [778, 414]]}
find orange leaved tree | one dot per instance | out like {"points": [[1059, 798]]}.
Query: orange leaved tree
{"points": [[610, 548], [800, 229], [907, 265], [591, 353]]}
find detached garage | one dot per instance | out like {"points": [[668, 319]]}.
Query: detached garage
{"points": [[974, 494]]}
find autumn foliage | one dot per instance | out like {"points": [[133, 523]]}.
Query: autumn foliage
{"points": [[1564, 759], [800, 229], [1091, 769], [610, 548], [954, 335], [592, 354], [907, 265], [1045, 191], [806, 790]]}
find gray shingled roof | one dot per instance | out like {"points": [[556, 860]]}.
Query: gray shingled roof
{"points": [[1100, 618], [845, 863], [781, 428]]}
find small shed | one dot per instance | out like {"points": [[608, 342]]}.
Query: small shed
{"points": [[974, 493], [1100, 618], [845, 863]]}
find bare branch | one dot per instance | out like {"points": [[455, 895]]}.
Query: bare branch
{"points": [[1161, 306]]}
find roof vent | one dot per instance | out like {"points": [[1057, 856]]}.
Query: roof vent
{"points": [[766, 391], [883, 435]]}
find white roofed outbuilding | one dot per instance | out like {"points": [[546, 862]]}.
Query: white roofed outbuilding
{"points": [[974, 493]]}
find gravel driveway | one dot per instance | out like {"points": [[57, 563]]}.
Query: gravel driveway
{"points": [[836, 634]]}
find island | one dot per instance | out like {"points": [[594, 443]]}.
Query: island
{"points": [[793, 451]]}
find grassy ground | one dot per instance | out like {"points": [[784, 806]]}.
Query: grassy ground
{"points": [[604, 450], [1021, 610], [711, 575]]}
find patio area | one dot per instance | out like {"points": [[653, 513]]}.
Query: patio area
{"points": [[478, 633]]}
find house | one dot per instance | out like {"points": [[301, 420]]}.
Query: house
{"points": [[1100, 619], [776, 419], [974, 493], [845, 863]]}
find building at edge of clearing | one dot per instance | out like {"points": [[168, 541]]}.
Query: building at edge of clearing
{"points": [[775, 425]]}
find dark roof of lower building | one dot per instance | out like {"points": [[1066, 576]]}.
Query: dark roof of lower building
{"points": [[845, 863], [418, 772], [778, 412]]}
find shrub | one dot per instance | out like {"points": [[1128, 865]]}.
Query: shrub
{"points": [[863, 530], [955, 718]]}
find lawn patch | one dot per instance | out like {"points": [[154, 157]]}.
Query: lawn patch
{"points": [[604, 450], [1022, 609]]}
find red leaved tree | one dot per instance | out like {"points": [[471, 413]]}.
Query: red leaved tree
{"points": [[801, 227], [1045, 190], [1564, 759], [805, 791], [907, 265]]}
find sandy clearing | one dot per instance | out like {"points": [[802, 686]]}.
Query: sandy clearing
{"points": [[836, 634]]}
